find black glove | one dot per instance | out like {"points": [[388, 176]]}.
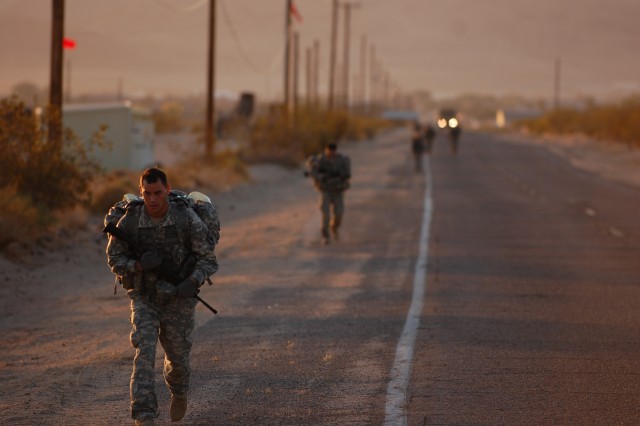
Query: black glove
{"points": [[149, 260], [187, 288]]}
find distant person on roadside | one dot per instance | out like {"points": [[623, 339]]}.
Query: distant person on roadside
{"points": [[331, 172], [454, 137], [417, 146], [429, 135], [172, 257]]}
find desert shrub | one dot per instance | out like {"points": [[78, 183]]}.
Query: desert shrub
{"points": [[289, 140], [20, 218], [48, 177], [615, 122], [193, 173], [110, 189], [197, 173], [169, 117]]}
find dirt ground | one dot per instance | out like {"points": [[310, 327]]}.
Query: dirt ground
{"points": [[58, 314]]}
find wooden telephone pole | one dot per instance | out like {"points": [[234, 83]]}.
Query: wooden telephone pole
{"points": [[346, 53], [332, 55], [210, 136], [56, 75], [287, 57], [556, 84]]}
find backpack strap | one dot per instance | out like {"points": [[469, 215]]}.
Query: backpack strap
{"points": [[182, 219], [133, 217]]}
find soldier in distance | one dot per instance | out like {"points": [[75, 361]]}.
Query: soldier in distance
{"points": [[331, 172], [417, 146]]}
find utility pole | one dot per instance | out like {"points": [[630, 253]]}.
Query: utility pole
{"points": [[373, 90], [386, 88], [308, 77], [556, 85], [56, 75], [363, 72], [332, 55], [316, 72], [287, 56], [210, 136], [346, 51], [296, 69]]}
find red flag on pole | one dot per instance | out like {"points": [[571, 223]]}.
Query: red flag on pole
{"points": [[68, 43], [295, 13]]}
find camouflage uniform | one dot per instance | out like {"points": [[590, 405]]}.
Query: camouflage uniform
{"points": [[154, 316], [331, 178], [418, 148]]}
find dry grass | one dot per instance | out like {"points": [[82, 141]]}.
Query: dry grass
{"points": [[44, 186], [20, 218], [191, 174], [38, 177], [617, 122], [276, 138]]}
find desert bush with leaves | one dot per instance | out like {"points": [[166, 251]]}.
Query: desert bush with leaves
{"points": [[192, 173], [195, 172], [617, 122], [288, 140], [110, 189], [43, 177], [20, 217]]}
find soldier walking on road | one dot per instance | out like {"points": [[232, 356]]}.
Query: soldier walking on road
{"points": [[331, 172], [454, 137], [417, 146], [175, 249], [429, 134]]}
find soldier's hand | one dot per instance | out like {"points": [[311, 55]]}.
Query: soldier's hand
{"points": [[149, 260], [187, 288]]}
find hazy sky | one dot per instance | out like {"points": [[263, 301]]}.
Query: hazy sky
{"points": [[443, 46]]}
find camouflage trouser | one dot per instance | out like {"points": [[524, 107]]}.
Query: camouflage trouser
{"points": [[172, 323], [332, 207], [417, 158]]}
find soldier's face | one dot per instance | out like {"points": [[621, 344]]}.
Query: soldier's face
{"points": [[329, 152], [155, 195]]}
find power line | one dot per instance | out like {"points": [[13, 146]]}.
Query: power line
{"points": [[243, 54], [195, 6]]}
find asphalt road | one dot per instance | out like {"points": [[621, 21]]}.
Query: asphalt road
{"points": [[529, 312], [530, 309], [307, 333]]}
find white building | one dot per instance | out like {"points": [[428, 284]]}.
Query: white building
{"points": [[130, 133], [506, 117]]}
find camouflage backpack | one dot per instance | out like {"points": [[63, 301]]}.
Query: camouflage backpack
{"points": [[197, 201]]}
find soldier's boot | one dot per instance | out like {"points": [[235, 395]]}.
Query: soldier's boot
{"points": [[335, 224], [178, 407], [325, 237]]}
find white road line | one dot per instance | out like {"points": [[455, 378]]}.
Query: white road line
{"points": [[396, 405]]}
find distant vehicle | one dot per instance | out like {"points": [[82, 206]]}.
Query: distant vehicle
{"points": [[448, 119]]}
